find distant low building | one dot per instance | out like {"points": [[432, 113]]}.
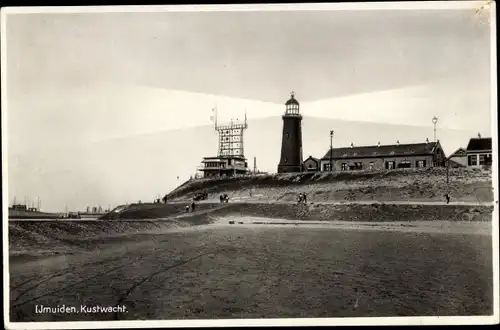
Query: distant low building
{"points": [[311, 164], [20, 207], [380, 157], [23, 207], [223, 166], [458, 158], [479, 152]]}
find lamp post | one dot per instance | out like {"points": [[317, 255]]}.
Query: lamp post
{"points": [[434, 121], [448, 172], [331, 148]]}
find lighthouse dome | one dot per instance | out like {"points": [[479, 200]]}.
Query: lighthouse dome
{"points": [[292, 100]]}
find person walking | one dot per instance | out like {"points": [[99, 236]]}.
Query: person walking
{"points": [[193, 206], [299, 198], [448, 197], [304, 197]]}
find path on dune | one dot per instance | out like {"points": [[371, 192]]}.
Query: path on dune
{"points": [[233, 271], [267, 201]]}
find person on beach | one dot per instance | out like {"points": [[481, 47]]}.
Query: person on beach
{"points": [[193, 206], [447, 196], [304, 197]]}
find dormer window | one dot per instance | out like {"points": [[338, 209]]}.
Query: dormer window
{"points": [[355, 154], [344, 155], [392, 153], [375, 153]]}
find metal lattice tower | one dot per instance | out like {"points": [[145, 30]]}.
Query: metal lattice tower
{"points": [[231, 138]]}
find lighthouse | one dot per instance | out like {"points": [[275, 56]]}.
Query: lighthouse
{"points": [[291, 142]]}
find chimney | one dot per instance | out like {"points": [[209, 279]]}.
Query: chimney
{"points": [[478, 135], [397, 142], [378, 144], [426, 140], [352, 145]]}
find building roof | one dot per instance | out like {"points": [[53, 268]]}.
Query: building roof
{"points": [[460, 152], [223, 158], [382, 150], [476, 144], [313, 158], [292, 100]]}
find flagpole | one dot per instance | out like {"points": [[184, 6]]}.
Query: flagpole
{"points": [[214, 115]]}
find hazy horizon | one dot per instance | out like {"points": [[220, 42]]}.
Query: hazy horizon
{"points": [[91, 96]]}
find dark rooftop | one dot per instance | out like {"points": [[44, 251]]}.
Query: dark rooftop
{"points": [[292, 100], [383, 150], [460, 152], [313, 158], [476, 144], [225, 157]]}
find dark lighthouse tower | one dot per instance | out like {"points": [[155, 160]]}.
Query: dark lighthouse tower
{"points": [[291, 143]]}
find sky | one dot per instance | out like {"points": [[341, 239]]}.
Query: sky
{"points": [[84, 89]]}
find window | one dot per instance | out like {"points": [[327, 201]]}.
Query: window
{"points": [[489, 159], [287, 135], [326, 167], [371, 165], [358, 166], [389, 165], [286, 160], [310, 165], [420, 163], [404, 164], [482, 159], [344, 166], [472, 160]]}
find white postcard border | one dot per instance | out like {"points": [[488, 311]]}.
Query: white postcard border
{"points": [[435, 320]]}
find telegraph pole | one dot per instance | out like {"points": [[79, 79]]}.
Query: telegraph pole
{"points": [[331, 148]]}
